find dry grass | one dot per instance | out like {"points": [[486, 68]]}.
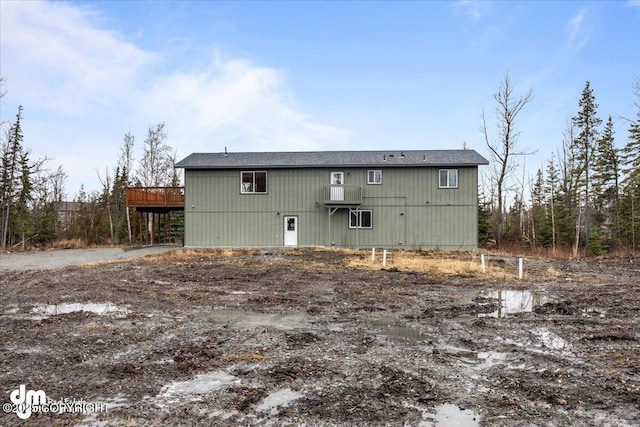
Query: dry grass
{"points": [[436, 262], [68, 244], [188, 255], [561, 252], [461, 264]]}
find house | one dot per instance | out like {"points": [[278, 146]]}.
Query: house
{"points": [[405, 199], [67, 210]]}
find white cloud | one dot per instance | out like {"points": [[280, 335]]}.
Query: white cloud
{"points": [[475, 9], [633, 3], [83, 87], [56, 56], [237, 104], [579, 30]]}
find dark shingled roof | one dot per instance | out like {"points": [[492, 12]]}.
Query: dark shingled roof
{"points": [[317, 159]]}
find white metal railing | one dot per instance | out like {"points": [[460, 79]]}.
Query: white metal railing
{"points": [[343, 195]]}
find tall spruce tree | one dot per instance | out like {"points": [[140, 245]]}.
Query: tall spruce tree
{"points": [[586, 123], [23, 201], [551, 189], [631, 168], [606, 182], [538, 210], [10, 176]]}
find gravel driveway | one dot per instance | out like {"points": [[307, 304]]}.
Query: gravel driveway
{"points": [[47, 260]]}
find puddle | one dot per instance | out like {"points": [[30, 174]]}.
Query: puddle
{"points": [[42, 311], [451, 415], [66, 308], [514, 301], [201, 384], [459, 352], [403, 334], [551, 340], [278, 398], [487, 359], [241, 319], [447, 415], [476, 360]]}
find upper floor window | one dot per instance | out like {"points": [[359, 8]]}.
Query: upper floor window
{"points": [[374, 177], [253, 182], [448, 178], [337, 178]]}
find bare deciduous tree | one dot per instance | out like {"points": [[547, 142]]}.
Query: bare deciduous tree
{"points": [[156, 165], [504, 146]]}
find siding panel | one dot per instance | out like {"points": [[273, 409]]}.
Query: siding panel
{"points": [[409, 210]]}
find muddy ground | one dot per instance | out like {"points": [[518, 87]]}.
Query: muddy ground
{"points": [[299, 337]]}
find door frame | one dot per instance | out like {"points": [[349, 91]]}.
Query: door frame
{"points": [[285, 230]]}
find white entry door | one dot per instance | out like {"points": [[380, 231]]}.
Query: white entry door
{"points": [[291, 231], [337, 191]]}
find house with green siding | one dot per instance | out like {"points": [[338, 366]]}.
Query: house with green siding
{"points": [[418, 199]]}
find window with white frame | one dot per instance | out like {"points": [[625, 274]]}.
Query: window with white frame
{"points": [[374, 177], [253, 182], [361, 219], [448, 178], [337, 178]]}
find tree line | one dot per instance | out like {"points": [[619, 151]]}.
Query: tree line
{"points": [[34, 210], [587, 196]]}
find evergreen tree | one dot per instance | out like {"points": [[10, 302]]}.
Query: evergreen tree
{"points": [[484, 214], [551, 190], [606, 184], [10, 177], [586, 123], [539, 231], [630, 209], [22, 206]]}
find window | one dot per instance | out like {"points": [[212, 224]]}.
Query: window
{"points": [[337, 178], [448, 178], [361, 219], [374, 177], [253, 182]]}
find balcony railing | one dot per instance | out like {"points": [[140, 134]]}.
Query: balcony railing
{"points": [[338, 195], [155, 196]]}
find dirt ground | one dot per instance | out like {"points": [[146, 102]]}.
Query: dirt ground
{"points": [[325, 337]]}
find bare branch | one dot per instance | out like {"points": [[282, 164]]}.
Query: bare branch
{"points": [[503, 150]]}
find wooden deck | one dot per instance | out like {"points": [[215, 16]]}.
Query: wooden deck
{"points": [[155, 197]]}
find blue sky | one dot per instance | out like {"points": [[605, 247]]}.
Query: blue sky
{"points": [[270, 76]]}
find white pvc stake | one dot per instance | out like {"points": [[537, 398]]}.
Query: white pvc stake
{"points": [[520, 268], [384, 258], [373, 254], [484, 270]]}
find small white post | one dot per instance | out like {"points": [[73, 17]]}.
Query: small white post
{"points": [[520, 268], [484, 270], [384, 258], [373, 254]]}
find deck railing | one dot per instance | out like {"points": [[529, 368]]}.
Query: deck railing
{"points": [[155, 196], [342, 195]]}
